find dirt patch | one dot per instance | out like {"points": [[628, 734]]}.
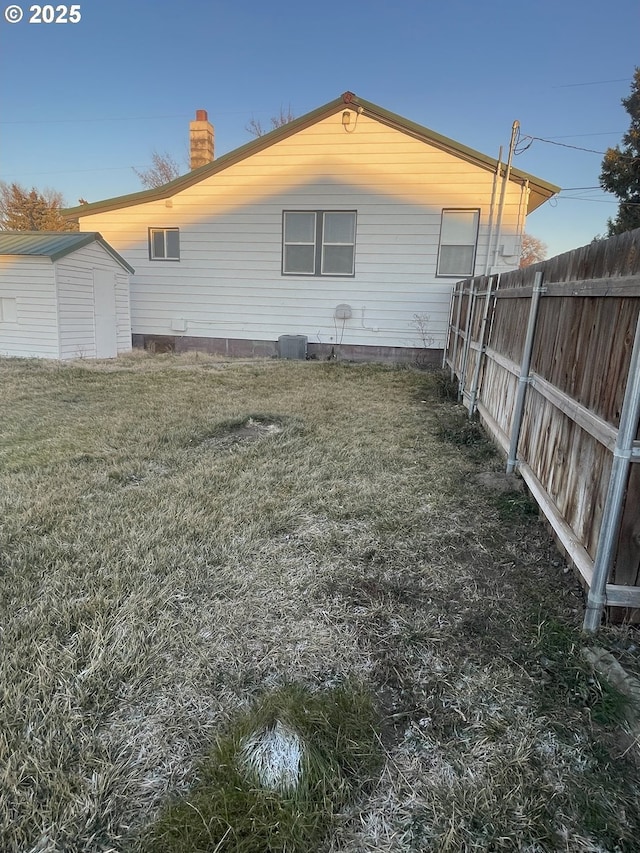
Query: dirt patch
{"points": [[241, 432], [254, 429], [500, 482]]}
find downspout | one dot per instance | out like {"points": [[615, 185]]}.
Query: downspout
{"points": [[492, 209], [525, 192], [507, 176]]}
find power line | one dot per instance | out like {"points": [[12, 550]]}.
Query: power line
{"points": [[90, 120], [559, 197], [592, 83], [525, 142], [80, 171], [121, 118], [599, 133], [529, 140]]}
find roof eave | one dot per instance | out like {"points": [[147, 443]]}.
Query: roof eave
{"points": [[67, 250], [185, 181], [540, 191], [111, 251], [80, 240]]}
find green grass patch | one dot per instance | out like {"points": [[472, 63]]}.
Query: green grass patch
{"points": [[458, 429], [231, 808], [515, 506], [445, 386], [609, 706]]}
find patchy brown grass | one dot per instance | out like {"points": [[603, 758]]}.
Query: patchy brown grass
{"points": [[182, 536]]}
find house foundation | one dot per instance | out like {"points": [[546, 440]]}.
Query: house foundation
{"points": [[240, 348]]}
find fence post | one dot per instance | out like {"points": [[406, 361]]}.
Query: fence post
{"points": [[523, 379], [612, 514], [454, 355], [473, 395], [467, 336], [445, 357]]}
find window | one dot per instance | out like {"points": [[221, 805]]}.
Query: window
{"points": [[8, 312], [458, 238], [164, 244], [318, 242]]}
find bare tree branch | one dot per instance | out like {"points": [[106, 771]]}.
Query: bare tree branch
{"points": [[163, 170], [533, 250], [255, 128]]}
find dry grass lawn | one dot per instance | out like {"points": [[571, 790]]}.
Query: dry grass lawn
{"points": [[181, 536]]}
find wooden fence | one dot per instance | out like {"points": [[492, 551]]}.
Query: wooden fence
{"points": [[549, 358]]}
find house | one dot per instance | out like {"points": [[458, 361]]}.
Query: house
{"points": [[347, 226], [62, 295]]}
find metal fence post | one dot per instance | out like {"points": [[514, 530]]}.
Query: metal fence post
{"points": [[454, 355], [445, 357], [612, 514], [467, 336], [523, 379], [473, 394]]}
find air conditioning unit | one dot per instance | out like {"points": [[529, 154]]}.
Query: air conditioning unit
{"points": [[292, 346]]}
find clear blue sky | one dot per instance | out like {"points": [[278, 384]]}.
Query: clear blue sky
{"points": [[81, 104]]}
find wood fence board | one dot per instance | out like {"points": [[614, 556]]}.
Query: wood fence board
{"points": [[596, 426], [583, 349], [509, 328], [627, 286], [587, 318], [499, 393], [626, 569]]}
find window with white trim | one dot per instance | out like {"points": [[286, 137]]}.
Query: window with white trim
{"points": [[164, 244], [319, 242], [8, 311], [458, 241]]}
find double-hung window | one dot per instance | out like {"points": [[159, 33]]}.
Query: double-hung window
{"points": [[8, 312], [164, 244], [319, 242], [458, 239]]}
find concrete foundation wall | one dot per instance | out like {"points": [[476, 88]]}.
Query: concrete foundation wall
{"points": [[239, 348]]}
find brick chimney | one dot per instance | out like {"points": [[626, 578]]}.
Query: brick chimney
{"points": [[200, 140]]}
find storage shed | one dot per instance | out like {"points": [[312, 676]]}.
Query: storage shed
{"points": [[63, 295]]}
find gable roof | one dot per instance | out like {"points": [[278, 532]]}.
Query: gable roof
{"points": [[540, 191], [54, 244]]}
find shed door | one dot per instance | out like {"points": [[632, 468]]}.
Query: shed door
{"points": [[104, 312]]}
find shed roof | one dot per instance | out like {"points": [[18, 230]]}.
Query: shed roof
{"points": [[540, 191], [54, 244]]}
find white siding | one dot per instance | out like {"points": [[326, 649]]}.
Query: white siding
{"points": [[54, 303], [228, 282], [30, 281], [74, 274]]}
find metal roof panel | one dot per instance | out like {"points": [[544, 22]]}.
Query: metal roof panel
{"points": [[54, 244]]}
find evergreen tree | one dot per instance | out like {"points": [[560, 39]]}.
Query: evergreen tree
{"points": [[30, 210], [620, 173]]}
